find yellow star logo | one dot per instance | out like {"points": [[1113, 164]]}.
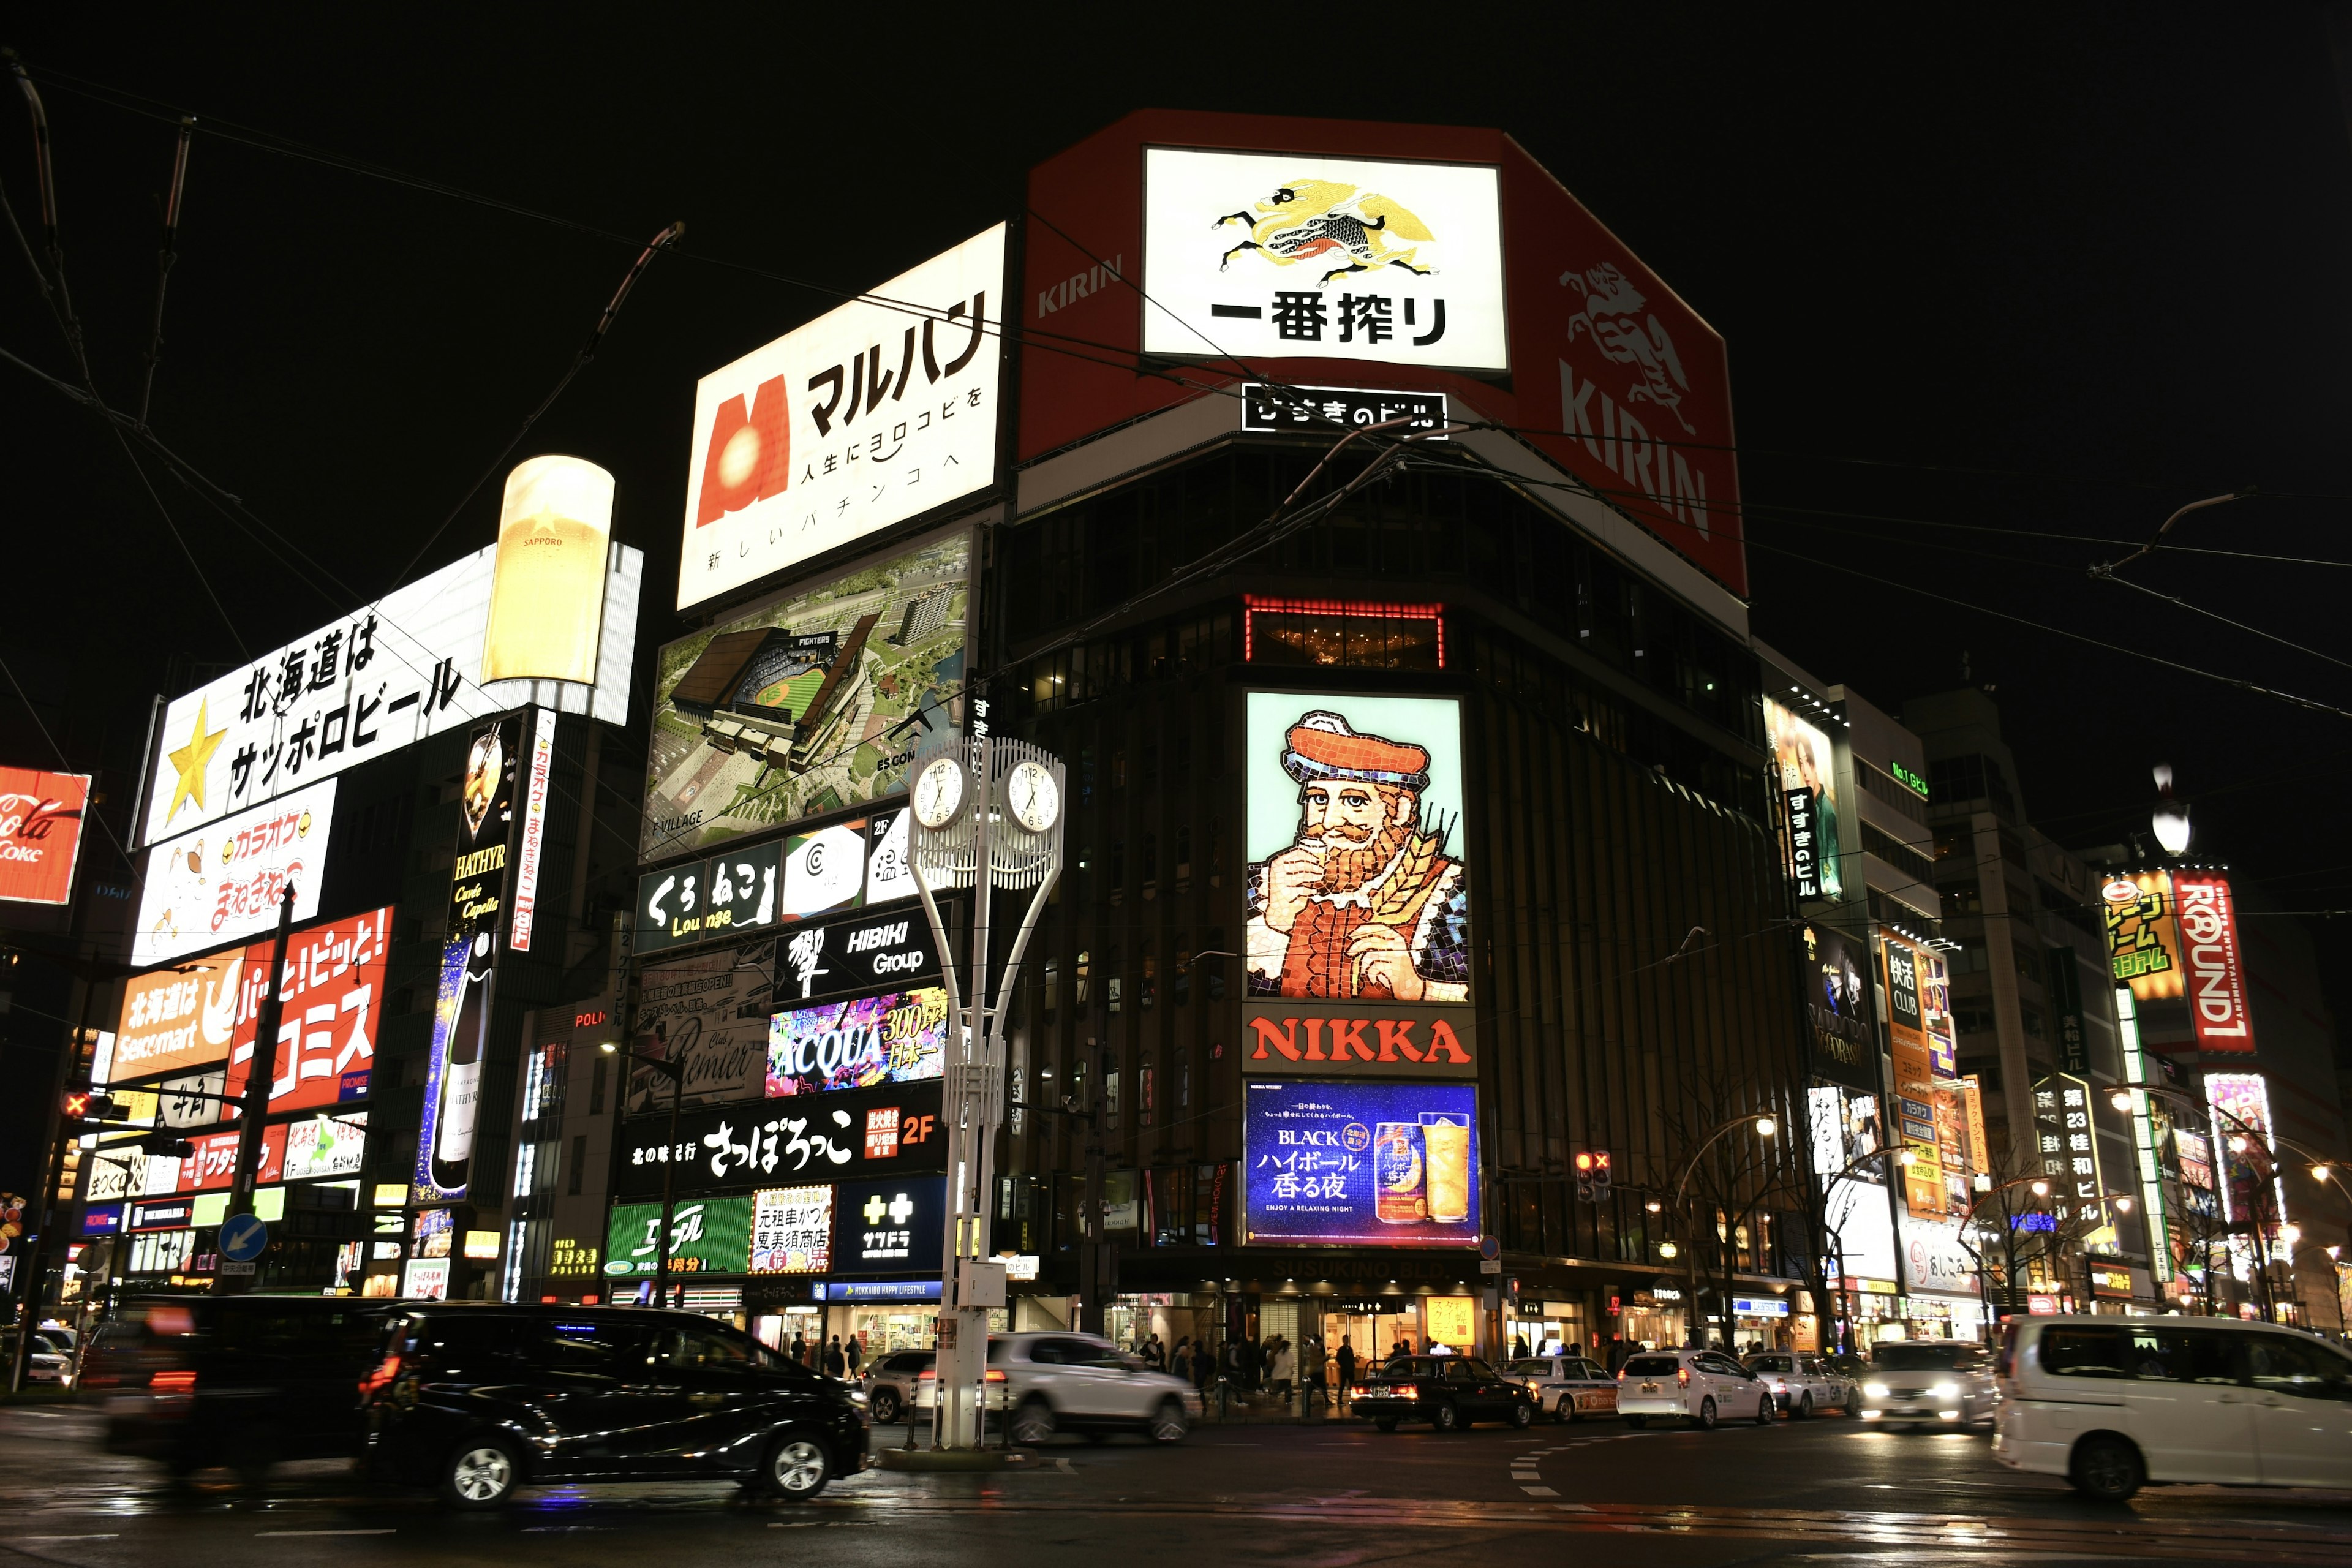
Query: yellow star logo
{"points": [[193, 761]]}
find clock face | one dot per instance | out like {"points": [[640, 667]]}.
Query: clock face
{"points": [[1035, 800], [938, 793]]}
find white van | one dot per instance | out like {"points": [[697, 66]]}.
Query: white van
{"points": [[2114, 1402]]}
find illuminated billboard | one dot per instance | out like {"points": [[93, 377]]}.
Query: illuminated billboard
{"points": [[792, 1231], [806, 703], [1837, 1004], [462, 1009], [878, 410], [205, 1015], [1255, 256], [855, 1133], [1360, 1163], [1358, 890], [710, 1011], [899, 1037], [1805, 771], [2205, 915], [41, 834], [406, 668], [2242, 1144], [2143, 938], [1613, 378], [708, 1236], [223, 883]]}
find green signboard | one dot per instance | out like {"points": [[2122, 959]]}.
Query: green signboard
{"points": [[1910, 779], [707, 1235]]}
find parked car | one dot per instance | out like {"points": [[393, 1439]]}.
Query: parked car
{"points": [[891, 1382], [1449, 1392], [49, 1359], [1702, 1387], [2113, 1405], [1568, 1386], [478, 1400], [242, 1381], [1928, 1380], [1050, 1382], [1801, 1385]]}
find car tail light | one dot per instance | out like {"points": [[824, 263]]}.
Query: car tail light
{"points": [[173, 1383], [993, 1374], [926, 1374], [386, 1370], [1682, 1377], [1403, 1391]]}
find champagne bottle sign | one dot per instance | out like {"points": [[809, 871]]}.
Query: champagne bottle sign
{"points": [[461, 1070]]}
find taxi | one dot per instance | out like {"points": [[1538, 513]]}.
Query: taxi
{"points": [[1568, 1386]]}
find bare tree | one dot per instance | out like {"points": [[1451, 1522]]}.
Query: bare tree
{"points": [[1727, 1177]]}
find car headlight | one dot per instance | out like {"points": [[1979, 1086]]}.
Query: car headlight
{"points": [[1946, 1391], [1875, 1390]]}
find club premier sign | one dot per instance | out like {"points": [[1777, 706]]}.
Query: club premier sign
{"points": [[1390, 1040]]}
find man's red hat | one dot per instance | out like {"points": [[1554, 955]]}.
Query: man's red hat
{"points": [[1322, 746]]}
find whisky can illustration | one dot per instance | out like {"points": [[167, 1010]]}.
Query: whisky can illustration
{"points": [[1399, 1173]]}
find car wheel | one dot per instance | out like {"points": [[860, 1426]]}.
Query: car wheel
{"points": [[1706, 1416], [1565, 1411], [797, 1468], [1637, 1422], [1168, 1422], [1445, 1417], [1032, 1424], [1523, 1414], [480, 1472], [884, 1405], [1764, 1412], [2107, 1468], [1385, 1423], [1804, 1410]]}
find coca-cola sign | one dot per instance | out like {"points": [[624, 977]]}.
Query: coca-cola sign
{"points": [[40, 832], [2208, 920]]}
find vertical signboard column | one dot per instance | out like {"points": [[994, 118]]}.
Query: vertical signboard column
{"points": [[461, 1013]]}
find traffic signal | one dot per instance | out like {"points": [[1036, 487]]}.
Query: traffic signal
{"points": [[88, 1105], [1601, 1176], [1585, 1193]]}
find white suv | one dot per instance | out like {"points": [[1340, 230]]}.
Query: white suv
{"points": [[1051, 1383], [1705, 1387]]}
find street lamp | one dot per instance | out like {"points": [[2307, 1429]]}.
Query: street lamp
{"points": [[676, 1072], [2170, 819], [2242, 1140], [1764, 1127]]}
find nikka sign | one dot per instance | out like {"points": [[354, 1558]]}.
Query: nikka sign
{"points": [[1393, 1039], [2215, 978]]}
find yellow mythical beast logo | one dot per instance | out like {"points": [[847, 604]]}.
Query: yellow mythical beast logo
{"points": [[1306, 219]]}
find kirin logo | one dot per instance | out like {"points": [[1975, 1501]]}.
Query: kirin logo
{"points": [[1328, 219], [1613, 313]]}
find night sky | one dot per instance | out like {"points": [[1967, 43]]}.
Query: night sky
{"points": [[1991, 296]]}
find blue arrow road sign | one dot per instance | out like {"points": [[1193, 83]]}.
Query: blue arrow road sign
{"points": [[242, 1237]]}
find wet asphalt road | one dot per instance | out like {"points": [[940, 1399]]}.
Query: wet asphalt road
{"points": [[1341, 1494]]}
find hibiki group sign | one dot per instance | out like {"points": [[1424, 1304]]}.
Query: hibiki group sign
{"points": [[873, 413]]}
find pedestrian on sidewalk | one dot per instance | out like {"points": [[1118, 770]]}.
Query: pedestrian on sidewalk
{"points": [[854, 1351], [1181, 1363], [1279, 1364], [1155, 1353], [799, 1352], [1313, 1366], [1618, 1350], [1347, 1359], [836, 1363]]}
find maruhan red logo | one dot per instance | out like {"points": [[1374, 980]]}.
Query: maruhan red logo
{"points": [[749, 456]]}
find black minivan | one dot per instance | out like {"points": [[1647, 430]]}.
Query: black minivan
{"points": [[479, 1400], [242, 1381]]}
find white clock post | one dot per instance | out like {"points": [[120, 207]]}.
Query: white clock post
{"points": [[987, 815]]}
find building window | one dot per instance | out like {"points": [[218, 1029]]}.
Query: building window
{"points": [[578, 1162], [596, 1084], [1353, 635]]}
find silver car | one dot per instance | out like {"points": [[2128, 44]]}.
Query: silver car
{"points": [[1050, 1382], [1943, 1381], [1801, 1385], [1568, 1386], [891, 1382]]}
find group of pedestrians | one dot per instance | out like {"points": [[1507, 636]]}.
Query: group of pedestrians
{"points": [[833, 1357]]}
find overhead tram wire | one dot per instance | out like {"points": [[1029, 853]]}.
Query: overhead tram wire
{"points": [[60, 299]]}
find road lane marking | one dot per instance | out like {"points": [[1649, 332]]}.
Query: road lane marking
{"points": [[1067, 1468], [109, 1535], [259, 1532], [1539, 1491]]}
